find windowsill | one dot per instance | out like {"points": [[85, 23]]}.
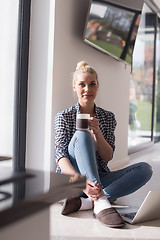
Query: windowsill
{"points": [[142, 151], [140, 148]]}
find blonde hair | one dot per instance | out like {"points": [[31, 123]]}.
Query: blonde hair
{"points": [[83, 67]]}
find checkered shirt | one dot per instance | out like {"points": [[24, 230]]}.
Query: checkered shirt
{"points": [[65, 127]]}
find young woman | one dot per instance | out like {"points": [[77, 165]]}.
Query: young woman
{"points": [[87, 153]]}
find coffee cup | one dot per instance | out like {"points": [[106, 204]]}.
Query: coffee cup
{"points": [[82, 121]]}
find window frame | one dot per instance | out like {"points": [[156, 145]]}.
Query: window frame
{"points": [[143, 146], [21, 87]]}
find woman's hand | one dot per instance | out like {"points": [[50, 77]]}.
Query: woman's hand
{"points": [[92, 190], [102, 146], [94, 126]]}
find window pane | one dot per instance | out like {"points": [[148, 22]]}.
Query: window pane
{"points": [[8, 50], [157, 93], [141, 82]]}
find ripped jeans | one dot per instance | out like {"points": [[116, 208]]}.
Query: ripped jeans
{"points": [[115, 184]]}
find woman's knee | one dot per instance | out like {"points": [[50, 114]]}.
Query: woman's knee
{"points": [[84, 136], [146, 170]]}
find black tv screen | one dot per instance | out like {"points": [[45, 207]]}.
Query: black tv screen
{"points": [[112, 29]]}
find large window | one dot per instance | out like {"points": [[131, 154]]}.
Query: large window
{"points": [[8, 64], [157, 88], [14, 45], [142, 83]]}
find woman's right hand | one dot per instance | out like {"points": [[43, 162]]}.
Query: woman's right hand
{"points": [[92, 190]]}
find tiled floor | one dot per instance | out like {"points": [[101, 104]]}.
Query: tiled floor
{"points": [[82, 225]]}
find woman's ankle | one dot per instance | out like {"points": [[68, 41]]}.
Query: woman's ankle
{"points": [[101, 204]]}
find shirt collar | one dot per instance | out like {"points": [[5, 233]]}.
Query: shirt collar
{"points": [[77, 106]]}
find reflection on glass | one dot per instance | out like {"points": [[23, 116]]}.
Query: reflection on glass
{"points": [[8, 49], [112, 29], [141, 82], [157, 88]]}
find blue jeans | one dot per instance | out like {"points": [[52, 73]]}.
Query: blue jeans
{"points": [[115, 184]]}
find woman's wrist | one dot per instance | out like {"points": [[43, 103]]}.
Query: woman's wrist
{"points": [[77, 174], [75, 177], [97, 134]]}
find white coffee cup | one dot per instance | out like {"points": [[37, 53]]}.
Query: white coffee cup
{"points": [[82, 121]]}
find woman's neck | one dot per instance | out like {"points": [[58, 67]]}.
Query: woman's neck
{"points": [[87, 109]]}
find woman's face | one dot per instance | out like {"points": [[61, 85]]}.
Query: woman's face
{"points": [[86, 87]]}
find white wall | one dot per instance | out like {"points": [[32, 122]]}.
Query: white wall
{"points": [[68, 48]]}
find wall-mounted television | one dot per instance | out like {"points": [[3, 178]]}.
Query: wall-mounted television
{"points": [[112, 28]]}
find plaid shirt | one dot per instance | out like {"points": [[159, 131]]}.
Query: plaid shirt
{"points": [[65, 127]]}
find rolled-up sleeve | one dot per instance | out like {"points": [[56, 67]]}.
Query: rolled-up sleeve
{"points": [[61, 137]]}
